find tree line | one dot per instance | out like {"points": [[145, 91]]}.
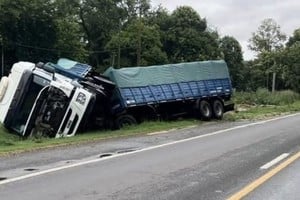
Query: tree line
{"points": [[277, 65], [124, 33]]}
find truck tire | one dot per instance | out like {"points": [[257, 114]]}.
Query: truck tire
{"points": [[125, 120], [205, 110], [218, 109], [3, 87]]}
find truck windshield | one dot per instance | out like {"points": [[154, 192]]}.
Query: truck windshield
{"points": [[20, 119]]}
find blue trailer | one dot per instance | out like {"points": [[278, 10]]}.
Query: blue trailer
{"points": [[202, 89]]}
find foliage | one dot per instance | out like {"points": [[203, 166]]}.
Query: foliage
{"points": [[255, 76], [232, 52], [127, 40], [99, 20], [290, 60], [295, 38], [136, 8], [265, 97], [18, 19], [39, 31], [187, 38], [69, 33], [130, 32], [267, 38], [104, 32], [268, 42]]}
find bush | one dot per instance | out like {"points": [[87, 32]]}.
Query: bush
{"points": [[264, 97]]}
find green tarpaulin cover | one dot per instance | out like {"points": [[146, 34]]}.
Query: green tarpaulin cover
{"points": [[166, 74]]}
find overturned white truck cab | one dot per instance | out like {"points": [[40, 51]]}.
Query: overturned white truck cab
{"points": [[35, 100]]}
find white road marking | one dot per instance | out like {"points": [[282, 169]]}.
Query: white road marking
{"points": [[81, 163], [275, 161], [173, 129]]}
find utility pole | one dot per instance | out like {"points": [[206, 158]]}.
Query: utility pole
{"points": [[119, 45], [274, 77], [139, 45], [119, 55], [113, 59], [274, 82]]}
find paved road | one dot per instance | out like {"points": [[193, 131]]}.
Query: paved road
{"points": [[211, 166], [284, 185]]}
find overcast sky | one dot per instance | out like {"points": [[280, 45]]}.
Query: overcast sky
{"points": [[239, 18]]}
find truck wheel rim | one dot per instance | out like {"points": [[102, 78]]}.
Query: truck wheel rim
{"points": [[206, 111]]}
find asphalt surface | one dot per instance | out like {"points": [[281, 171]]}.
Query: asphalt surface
{"points": [[212, 166], [285, 185]]}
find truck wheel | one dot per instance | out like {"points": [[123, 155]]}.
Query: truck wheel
{"points": [[3, 87], [125, 120], [205, 110], [218, 109]]}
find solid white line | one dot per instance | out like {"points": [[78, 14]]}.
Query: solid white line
{"points": [[10, 180], [275, 161]]}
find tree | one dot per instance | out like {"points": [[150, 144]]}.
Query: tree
{"points": [[70, 37], [254, 75], [136, 9], [28, 30], [100, 19], [159, 16], [40, 31], [290, 59], [267, 40], [187, 38], [151, 52], [295, 38], [233, 56]]}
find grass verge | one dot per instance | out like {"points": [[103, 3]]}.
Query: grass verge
{"points": [[10, 143], [259, 112]]}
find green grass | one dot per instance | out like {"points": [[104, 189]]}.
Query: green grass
{"points": [[10, 143], [264, 97], [263, 104], [258, 112]]}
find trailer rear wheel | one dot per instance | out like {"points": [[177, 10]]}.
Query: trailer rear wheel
{"points": [[218, 109], [205, 110], [125, 120]]}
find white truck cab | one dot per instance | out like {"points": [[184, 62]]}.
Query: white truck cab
{"points": [[34, 100]]}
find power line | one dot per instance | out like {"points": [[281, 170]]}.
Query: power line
{"points": [[57, 50], [65, 51]]}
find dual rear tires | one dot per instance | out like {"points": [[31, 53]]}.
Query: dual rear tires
{"points": [[209, 110], [205, 109]]}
